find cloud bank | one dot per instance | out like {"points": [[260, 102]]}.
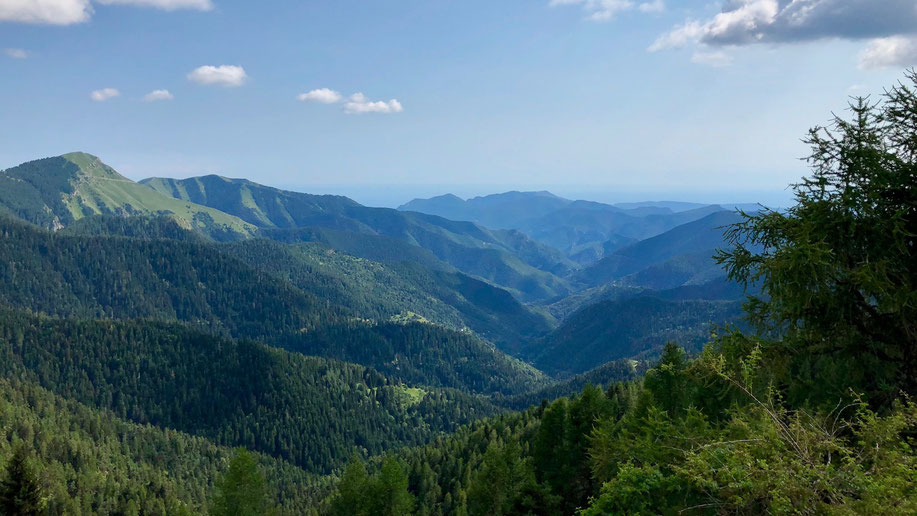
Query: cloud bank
{"points": [[223, 75], [890, 24]]}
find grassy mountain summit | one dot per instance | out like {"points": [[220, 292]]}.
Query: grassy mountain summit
{"points": [[55, 192]]}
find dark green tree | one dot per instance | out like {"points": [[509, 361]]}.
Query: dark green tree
{"points": [[384, 494], [390, 491], [242, 490], [668, 381], [838, 271], [503, 483], [351, 497], [20, 491]]}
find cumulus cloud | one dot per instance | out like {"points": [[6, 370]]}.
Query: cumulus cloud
{"points": [[321, 95], [155, 95], [743, 22], [224, 75], [45, 12], [16, 53], [893, 51], [166, 5], [718, 59], [104, 94], [358, 104]]}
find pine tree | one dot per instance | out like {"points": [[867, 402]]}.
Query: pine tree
{"points": [[242, 490], [391, 491], [20, 491], [350, 499]]}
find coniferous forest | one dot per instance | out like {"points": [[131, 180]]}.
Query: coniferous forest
{"points": [[215, 346]]}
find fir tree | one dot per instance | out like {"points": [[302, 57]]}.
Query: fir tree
{"points": [[20, 491]]}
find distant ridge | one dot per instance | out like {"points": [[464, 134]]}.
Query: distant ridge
{"points": [[585, 231], [509, 259]]}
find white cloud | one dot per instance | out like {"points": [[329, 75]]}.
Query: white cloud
{"points": [[68, 12], [321, 95], [656, 6], [45, 12], [166, 5], [680, 36], [224, 75], [16, 53], [155, 95], [598, 10], [894, 51], [104, 94], [715, 59], [359, 104]]}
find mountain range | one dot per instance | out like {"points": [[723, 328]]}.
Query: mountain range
{"points": [[585, 231], [315, 323]]}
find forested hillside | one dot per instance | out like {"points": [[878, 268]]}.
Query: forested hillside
{"points": [[627, 328], [140, 278], [396, 289], [92, 462], [308, 411], [207, 287]]}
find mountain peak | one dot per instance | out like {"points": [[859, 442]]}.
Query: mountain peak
{"points": [[92, 166]]}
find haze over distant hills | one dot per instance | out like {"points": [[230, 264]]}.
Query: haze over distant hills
{"points": [[585, 231]]}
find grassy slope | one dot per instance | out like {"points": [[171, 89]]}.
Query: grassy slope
{"points": [[55, 192]]}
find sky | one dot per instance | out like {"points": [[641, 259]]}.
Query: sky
{"points": [[615, 100]]}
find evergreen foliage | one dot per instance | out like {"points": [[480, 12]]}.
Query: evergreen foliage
{"points": [[307, 411], [20, 490], [242, 490]]}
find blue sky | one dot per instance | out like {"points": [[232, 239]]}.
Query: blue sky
{"points": [[698, 100]]}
